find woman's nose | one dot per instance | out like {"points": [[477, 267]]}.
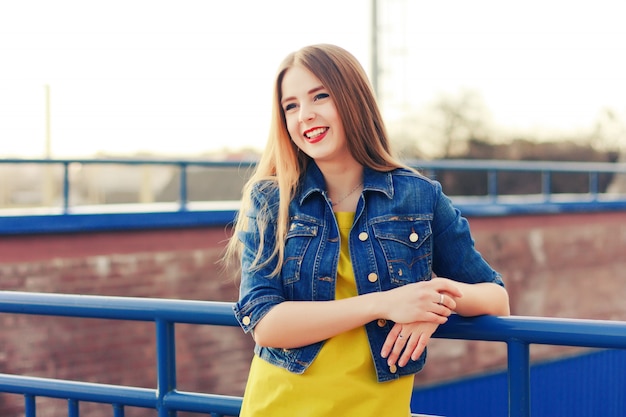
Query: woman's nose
{"points": [[306, 114]]}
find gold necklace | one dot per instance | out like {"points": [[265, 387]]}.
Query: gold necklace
{"points": [[345, 196]]}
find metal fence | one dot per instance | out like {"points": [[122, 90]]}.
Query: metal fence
{"points": [[493, 169], [516, 331], [68, 217]]}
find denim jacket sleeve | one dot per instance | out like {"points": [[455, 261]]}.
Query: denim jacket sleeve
{"points": [[454, 254], [259, 290]]}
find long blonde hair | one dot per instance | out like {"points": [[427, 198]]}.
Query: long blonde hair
{"points": [[282, 165]]}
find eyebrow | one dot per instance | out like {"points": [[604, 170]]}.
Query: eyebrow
{"points": [[311, 91]]}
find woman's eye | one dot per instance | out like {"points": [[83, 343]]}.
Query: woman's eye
{"points": [[321, 96], [290, 106]]}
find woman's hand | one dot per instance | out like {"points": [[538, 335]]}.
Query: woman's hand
{"points": [[407, 342], [425, 301]]}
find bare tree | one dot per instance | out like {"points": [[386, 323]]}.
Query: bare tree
{"points": [[609, 132], [457, 119], [444, 127]]}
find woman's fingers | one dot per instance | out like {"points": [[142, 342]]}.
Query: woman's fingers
{"points": [[421, 301], [407, 342], [446, 286], [446, 305], [390, 340], [413, 349]]}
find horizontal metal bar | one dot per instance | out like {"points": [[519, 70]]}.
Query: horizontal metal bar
{"points": [[118, 395], [120, 161], [508, 165], [121, 308], [450, 164], [539, 330], [107, 221], [202, 403], [154, 217], [81, 391]]}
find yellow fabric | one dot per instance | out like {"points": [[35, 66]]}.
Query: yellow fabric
{"points": [[341, 381]]}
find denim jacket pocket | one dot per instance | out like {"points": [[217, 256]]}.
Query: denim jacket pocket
{"points": [[299, 236], [406, 244]]}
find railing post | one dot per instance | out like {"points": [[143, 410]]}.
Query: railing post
{"points": [[183, 187], [519, 378], [594, 185], [492, 184], [72, 408], [66, 187], [166, 364], [546, 185], [118, 410], [30, 407]]}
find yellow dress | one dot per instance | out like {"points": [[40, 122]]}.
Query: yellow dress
{"points": [[341, 381]]}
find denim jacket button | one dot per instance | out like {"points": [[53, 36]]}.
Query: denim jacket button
{"points": [[363, 236], [246, 320], [393, 369], [381, 322], [372, 277], [413, 237]]}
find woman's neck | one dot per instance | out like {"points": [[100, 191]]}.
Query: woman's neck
{"points": [[344, 183]]}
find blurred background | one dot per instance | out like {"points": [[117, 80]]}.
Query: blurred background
{"points": [[194, 78]]}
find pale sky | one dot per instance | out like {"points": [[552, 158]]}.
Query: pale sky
{"points": [[186, 77]]}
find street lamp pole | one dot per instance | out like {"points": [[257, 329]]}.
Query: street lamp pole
{"points": [[374, 46], [48, 180], [48, 147]]}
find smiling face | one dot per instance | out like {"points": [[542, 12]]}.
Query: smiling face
{"points": [[311, 116]]}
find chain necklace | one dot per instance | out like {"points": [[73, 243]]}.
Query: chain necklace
{"points": [[347, 195]]}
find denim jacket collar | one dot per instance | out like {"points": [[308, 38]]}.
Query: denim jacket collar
{"points": [[313, 181]]}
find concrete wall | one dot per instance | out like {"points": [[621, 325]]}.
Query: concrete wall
{"points": [[566, 265]]}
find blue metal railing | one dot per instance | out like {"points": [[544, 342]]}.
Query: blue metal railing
{"points": [[492, 167], [545, 168], [517, 332], [181, 165], [163, 312], [183, 213]]}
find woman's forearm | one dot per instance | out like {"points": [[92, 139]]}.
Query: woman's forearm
{"points": [[483, 298], [293, 324], [298, 323]]}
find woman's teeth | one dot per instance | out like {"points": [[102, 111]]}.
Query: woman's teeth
{"points": [[315, 132]]}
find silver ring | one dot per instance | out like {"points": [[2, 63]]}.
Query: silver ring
{"points": [[440, 299]]}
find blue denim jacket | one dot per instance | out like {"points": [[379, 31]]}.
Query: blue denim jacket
{"points": [[405, 229]]}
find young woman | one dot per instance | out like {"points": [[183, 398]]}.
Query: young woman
{"points": [[349, 259]]}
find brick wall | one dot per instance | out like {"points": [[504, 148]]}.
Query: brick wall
{"points": [[163, 264], [560, 266]]}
